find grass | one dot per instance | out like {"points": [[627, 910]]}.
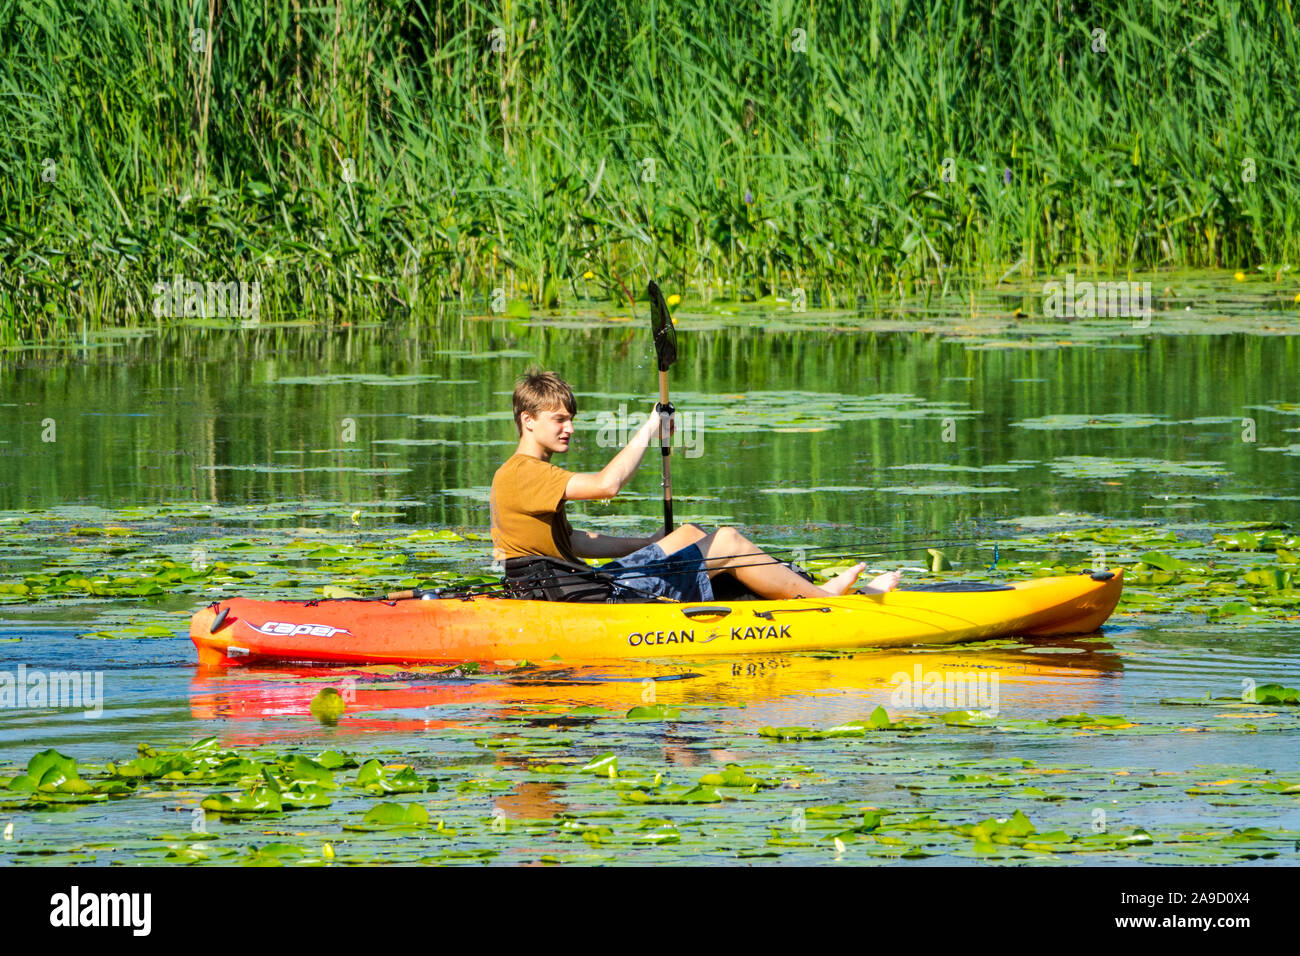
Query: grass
{"points": [[370, 156]]}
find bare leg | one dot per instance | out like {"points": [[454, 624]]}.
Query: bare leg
{"points": [[683, 537], [728, 550]]}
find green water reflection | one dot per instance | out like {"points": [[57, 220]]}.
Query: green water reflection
{"points": [[422, 419]]}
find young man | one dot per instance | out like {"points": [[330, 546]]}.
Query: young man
{"points": [[528, 517]]}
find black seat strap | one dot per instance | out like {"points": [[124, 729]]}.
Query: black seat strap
{"points": [[543, 578]]}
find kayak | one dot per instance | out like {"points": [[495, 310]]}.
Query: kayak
{"points": [[240, 631]]}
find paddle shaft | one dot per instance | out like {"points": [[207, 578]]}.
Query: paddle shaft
{"points": [[665, 448], [665, 414]]}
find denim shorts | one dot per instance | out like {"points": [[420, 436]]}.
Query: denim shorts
{"points": [[680, 576]]}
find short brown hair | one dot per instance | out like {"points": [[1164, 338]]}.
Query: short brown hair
{"points": [[538, 391]]}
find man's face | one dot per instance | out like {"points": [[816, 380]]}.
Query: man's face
{"points": [[551, 428]]}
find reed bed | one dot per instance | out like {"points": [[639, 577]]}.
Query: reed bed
{"points": [[372, 157]]}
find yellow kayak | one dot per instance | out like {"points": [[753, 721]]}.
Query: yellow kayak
{"points": [[447, 630]]}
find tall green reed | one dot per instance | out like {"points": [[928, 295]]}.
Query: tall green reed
{"points": [[360, 157]]}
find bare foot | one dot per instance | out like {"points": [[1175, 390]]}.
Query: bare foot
{"points": [[882, 583], [841, 583]]}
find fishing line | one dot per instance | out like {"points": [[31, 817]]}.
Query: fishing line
{"points": [[681, 564], [615, 576]]}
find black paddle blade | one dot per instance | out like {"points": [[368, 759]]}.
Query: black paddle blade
{"points": [[665, 332]]}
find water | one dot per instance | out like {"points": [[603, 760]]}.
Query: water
{"points": [[809, 432]]}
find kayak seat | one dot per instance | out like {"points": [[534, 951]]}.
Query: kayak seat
{"points": [[727, 588], [542, 578]]}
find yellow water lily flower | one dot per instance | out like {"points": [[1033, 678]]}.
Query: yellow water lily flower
{"points": [[674, 299], [1296, 300], [589, 275], [1239, 276]]}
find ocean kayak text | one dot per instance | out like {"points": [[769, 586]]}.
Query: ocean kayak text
{"points": [[688, 637]]}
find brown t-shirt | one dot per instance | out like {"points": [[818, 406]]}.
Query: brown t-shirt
{"points": [[527, 505]]}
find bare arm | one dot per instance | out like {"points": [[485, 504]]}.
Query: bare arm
{"points": [[609, 481]]}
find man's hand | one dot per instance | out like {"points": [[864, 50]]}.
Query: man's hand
{"points": [[672, 421], [609, 481]]}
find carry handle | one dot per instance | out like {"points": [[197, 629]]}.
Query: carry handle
{"points": [[693, 612]]}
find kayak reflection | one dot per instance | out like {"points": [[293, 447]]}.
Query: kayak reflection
{"points": [[274, 704]]}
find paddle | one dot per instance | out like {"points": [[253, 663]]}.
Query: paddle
{"points": [[665, 339]]}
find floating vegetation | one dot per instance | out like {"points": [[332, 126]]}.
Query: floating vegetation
{"points": [[1292, 450], [365, 378], [966, 469], [72, 561], [1056, 423], [932, 490], [766, 410], [305, 469], [328, 706], [1269, 694], [1087, 466], [621, 806]]}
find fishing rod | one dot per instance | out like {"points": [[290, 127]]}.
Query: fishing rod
{"points": [[685, 564], [573, 574], [847, 550], [850, 549]]}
